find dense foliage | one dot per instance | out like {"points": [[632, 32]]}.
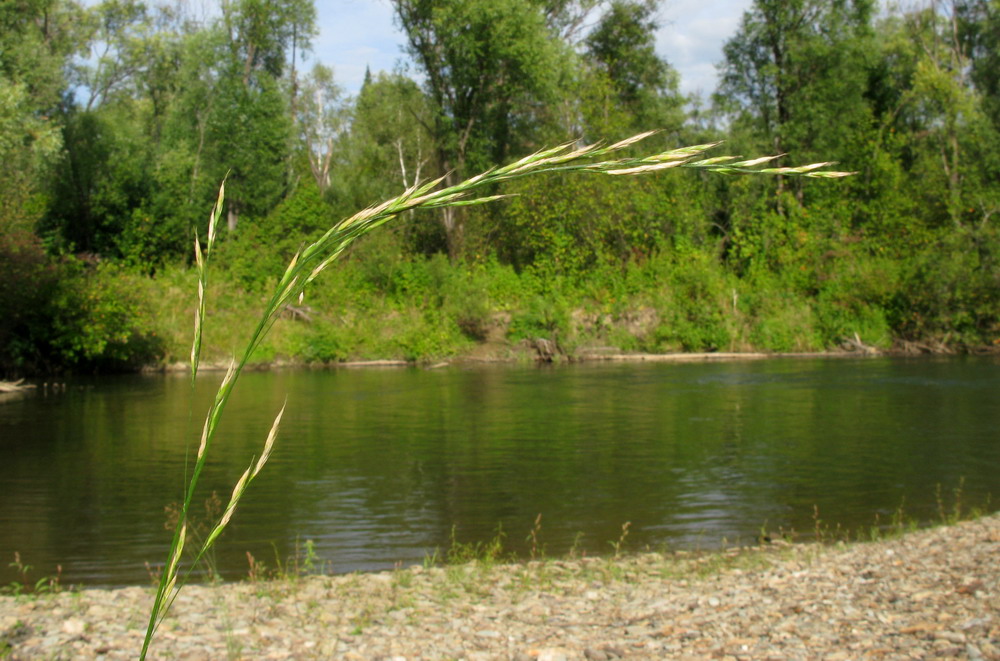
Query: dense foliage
{"points": [[119, 119]]}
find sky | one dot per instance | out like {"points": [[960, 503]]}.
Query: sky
{"points": [[354, 34]]}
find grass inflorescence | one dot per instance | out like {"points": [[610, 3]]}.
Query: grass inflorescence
{"points": [[306, 265]]}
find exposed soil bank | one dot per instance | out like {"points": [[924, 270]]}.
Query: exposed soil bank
{"points": [[929, 594], [523, 355]]}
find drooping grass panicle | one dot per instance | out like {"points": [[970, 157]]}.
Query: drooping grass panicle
{"points": [[307, 264]]}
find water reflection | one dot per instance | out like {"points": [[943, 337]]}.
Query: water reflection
{"points": [[378, 467]]}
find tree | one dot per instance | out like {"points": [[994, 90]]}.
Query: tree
{"points": [[248, 141], [262, 34], [391, 140], [116, 34], [957, 138], [111, 193], [170, 108], [250, 128], [322, 119], [978, 25], [489, 65], [28, 144], [795, 73], [795, 78], [622, 50], [35, 38]]}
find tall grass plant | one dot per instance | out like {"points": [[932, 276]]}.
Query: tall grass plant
{"points": [[307, 264]]}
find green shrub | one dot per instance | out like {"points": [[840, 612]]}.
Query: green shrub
{"points": [[950, 291], [690, 304], [323, 343], [64, 314], [98, 320], [429, 338], [854, 298], [541, 317], [258, 251], [30, 282], [786, 326]]}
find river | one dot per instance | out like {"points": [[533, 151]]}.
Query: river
{"points": [[379, 467]]}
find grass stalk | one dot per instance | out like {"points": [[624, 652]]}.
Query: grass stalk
{"points": [[305, 266]]}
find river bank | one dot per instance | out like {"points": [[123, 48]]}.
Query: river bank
{"points": [[933, 593], [522, 355], [491, 315]]}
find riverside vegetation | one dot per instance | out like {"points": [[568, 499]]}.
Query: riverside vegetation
{"points": [[122, 118], [122, 161]]}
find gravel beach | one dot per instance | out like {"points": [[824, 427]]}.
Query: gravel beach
{"points": [[933, 593]]}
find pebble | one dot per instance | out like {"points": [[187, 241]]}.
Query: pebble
{"points": [[932, 594]]}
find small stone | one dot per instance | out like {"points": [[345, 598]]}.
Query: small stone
{"points": [[74, 626], [595, 655], [972, 587], [552, 654]]}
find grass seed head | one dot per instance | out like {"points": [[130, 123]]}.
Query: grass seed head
{"points": [[622, 144]]}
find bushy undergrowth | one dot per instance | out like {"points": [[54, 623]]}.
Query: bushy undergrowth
{"points": [[380, 304], [63, 313], [798, 293]]}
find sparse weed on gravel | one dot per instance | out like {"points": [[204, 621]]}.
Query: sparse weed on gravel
{"points": [[948, 511], [303, 562], [25, 586], [537, 549]]}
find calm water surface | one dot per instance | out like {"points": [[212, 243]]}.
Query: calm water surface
{"points": [[377, 467]]}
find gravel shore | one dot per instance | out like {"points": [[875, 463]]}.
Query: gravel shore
{"points": [[929, 594]]}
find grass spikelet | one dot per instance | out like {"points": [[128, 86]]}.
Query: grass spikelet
{"points": [[685, 152], [234, 500], [711, 161], [213, 219], [756, 161], [829, 174], [269, 443], [201, 263], [802, 169], [204, 441], [531, 160], [468, 203], [645, 168], [628, 142]]}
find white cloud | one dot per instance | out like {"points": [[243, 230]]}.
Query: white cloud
{"points": [[353, 35], [691, 37]]}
